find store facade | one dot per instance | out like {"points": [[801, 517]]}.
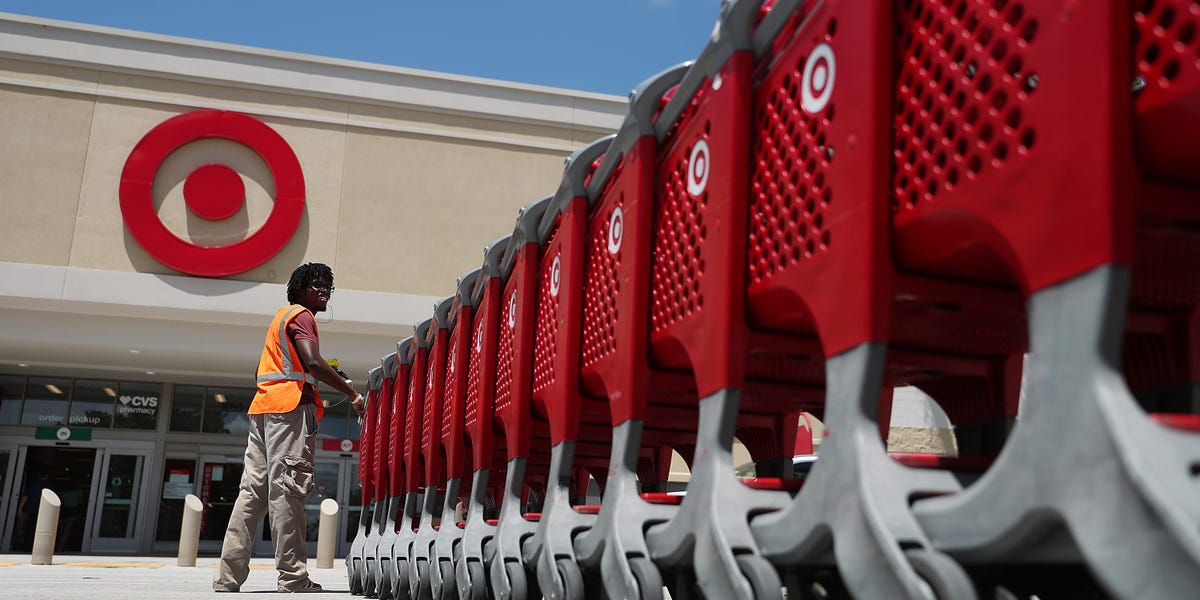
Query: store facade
{"points": [[157, 193]]}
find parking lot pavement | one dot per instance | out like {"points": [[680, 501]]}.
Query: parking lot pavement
{"points": [[75, 577]]}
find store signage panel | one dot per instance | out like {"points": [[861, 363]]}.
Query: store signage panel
{"points": [[63, 434], [340, 445], [178, 484], [212, 192], [137, 405]]}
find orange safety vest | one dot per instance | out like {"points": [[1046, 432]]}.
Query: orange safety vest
{"points": [[281, 374]]}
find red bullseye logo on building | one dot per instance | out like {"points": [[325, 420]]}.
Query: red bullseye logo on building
{"points": [[213, 192]]}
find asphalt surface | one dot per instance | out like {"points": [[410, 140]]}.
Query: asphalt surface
{"points": [[144, 578]]}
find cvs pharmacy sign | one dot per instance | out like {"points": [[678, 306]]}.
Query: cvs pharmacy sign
{"points": [[138, 405], [150, 401]]}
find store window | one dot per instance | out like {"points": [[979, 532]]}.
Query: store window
{"points": [[187, 407], [92, 403], [339, 421], [211, 409], [338, 424], [12, 390], [46, 401], [353, 504], [225, 410]]}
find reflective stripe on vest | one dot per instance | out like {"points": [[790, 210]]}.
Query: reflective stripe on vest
{"points": [[289, 373]]}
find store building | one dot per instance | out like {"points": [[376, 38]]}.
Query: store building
{"points": [[157, 193]]}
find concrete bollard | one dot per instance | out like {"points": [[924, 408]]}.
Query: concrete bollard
{"points": [[46, 530], [327, 533], [189, 531]]}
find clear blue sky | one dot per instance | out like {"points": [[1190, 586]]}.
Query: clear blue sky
{"points": [[605, 46]]}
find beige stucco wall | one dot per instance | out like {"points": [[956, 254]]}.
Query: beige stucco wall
{"points": [[408, 174], [924, 440], [41, 165], [416, 208], [393, 204]]}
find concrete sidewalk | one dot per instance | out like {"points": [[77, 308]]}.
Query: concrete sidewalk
{"points": [[79, 577]]}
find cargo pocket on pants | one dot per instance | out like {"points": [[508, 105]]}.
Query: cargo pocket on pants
{"points": [[297, 476], [311, 424]]}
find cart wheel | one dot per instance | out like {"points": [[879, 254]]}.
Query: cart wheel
{"points": [[476, 580], [568, 580], [384, 587], [447, 570], [400, 589], [422, 587], [945, 578], [370, 586], [649, 580], [356, 586], [517, 582], [761, 575]]}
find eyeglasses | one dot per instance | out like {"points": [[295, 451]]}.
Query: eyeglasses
{"points": [[321, 287]]}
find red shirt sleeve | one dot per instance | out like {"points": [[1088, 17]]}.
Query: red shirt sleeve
{"points": [[303, 327]]}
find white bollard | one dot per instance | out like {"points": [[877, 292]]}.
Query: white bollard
{"points": [[46, 529], [189, 532], [327, 534]]}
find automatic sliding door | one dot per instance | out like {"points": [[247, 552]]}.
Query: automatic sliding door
{"points": [[118, 503], [8, 467], [220, 478]]}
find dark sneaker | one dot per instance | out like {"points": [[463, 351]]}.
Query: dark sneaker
{"points": [[221, 588], [309, 586]]}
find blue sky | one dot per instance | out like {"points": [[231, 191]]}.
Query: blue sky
{"points": [[605, 46]]}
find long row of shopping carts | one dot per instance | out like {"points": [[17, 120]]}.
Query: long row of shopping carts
{"points": [[996, 201]]}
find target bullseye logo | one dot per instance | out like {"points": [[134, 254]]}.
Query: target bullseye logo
{"points": [[616, 231], [213, 192], [555, 275], [816, 85], [512, 310], [697, 176]]}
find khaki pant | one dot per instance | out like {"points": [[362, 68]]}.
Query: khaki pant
{"points": [[278, 474]]}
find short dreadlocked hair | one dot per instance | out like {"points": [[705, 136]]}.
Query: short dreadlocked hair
{"points": [[303, 276]]}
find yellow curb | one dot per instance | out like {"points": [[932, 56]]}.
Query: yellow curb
{"points": [[114, 565], [7, 564]]}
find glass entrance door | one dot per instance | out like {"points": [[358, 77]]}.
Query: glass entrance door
{"points": [[351, 502], [8, 466], [220, 477], [118, 501], [69, 472], [327, 480], [101, 493]]}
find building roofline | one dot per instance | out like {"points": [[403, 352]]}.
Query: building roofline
{"points": [[121, 50]]}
